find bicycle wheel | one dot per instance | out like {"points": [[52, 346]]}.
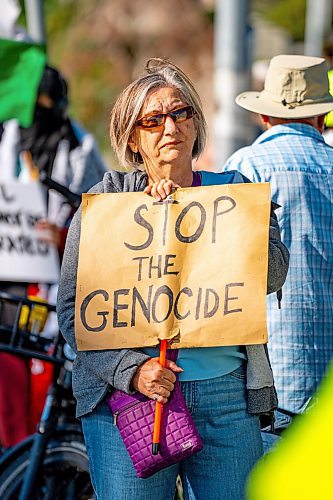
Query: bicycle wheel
{"points": [[64, 475]]}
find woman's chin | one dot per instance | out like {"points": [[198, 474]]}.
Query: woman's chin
{"points": [[176, 160]]}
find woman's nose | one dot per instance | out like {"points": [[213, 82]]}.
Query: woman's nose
{"points": [[170, 126]]}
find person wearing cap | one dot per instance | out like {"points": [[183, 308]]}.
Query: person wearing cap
{"points": [[293, 156]]}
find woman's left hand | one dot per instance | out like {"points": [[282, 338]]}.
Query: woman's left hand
{"points": [[161, 190]]}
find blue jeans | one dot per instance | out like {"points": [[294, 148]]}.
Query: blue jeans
{"points": [[232, 445], [271, 440]]}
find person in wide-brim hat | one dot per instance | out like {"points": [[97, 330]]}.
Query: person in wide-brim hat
{"points": [[293, 155], [295, 87]]}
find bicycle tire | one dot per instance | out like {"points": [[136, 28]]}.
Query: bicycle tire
{"points": [[65, 470]]}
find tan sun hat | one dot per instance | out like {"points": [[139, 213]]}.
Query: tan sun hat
{"points": [[295, 87]]}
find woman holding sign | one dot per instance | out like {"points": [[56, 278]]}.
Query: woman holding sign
{"points": [[157, 128]]}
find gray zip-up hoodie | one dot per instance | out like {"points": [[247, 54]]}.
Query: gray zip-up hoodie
{"points": [[95, 372]]}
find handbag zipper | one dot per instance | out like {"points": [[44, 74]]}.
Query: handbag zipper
{"points": [[116, 414]]}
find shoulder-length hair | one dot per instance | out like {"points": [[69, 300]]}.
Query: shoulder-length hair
{"points": [[125, 112]]}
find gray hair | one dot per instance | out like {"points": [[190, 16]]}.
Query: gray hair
{"points": [[125, 112]]}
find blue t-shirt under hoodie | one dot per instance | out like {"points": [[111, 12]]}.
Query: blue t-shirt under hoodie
{"points": [[208, 362]]}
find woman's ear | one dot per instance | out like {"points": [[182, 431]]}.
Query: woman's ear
{"points": [[132, 144]]}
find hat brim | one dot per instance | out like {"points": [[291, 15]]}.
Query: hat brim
{"points": [[254, 101]]}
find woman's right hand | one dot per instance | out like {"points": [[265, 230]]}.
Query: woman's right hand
{"points": [[154, 381], [160, 190]]}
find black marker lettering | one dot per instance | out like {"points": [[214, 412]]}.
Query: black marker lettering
{"points": [[168, 292], [145, 307], [84, 306], [5, 195], [168, 264], [119, 307], [216, 213], [227, 298], [140, 259], [189, 293], [209, 313], [158, 267], [197, 309], [142, 222], [197, 234]]}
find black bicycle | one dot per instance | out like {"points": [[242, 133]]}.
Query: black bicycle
{"points": [[52, 463]]}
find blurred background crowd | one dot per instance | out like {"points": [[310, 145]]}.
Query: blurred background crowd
{"points": [[100, 45], [92, 49]]}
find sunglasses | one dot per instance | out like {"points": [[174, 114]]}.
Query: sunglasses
{"points": [[178, 116]]}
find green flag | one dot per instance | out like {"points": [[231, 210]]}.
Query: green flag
{"points": [[21, 68]]}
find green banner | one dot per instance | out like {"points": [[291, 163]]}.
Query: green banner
{"points": [[21, 68]]}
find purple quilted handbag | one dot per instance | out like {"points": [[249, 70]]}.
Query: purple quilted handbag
{"points": [[134, 417]]}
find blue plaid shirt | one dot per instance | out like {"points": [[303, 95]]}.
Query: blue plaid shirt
{"points": [[299, 165]]}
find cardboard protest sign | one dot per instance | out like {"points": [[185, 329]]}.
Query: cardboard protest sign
{"points": [[192, 268], [23, 256]]}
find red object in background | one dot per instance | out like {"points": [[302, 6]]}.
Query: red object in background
{"points": [[22, 396], [14, 399], [41, 374], [23, 388], [33, 290]]}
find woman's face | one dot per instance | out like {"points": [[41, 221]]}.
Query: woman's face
{"points": [[166, 150]]}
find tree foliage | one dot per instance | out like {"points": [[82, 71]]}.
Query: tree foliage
{"points": [[289, 14], [101, 45]]}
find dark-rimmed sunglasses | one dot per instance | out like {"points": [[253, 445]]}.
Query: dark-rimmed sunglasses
{"points": [[178, 116]]}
